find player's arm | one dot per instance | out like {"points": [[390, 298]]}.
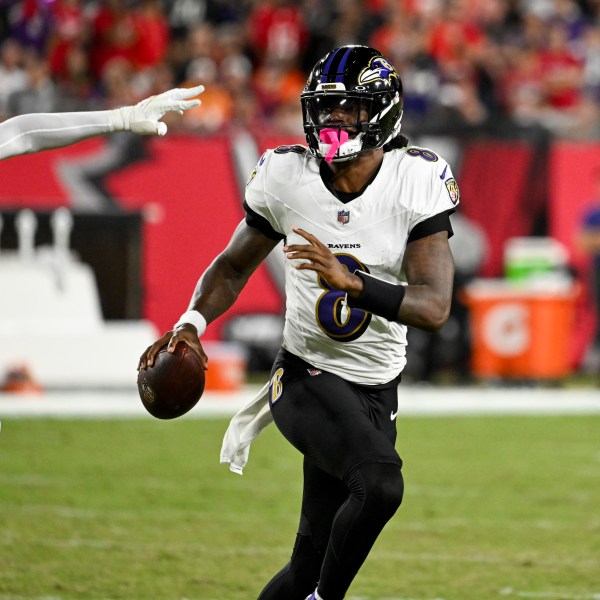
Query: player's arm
{"points": [[223, 281], [429, 269], [217, 290], [30, 133], [423, 303]]}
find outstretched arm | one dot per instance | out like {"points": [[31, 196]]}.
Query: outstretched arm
{"points": [[31, 133], [217, 289]]}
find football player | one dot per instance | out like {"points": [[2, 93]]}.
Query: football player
{"points": [[365, 219], [30, 133]]}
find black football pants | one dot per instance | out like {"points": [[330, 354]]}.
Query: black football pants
{"points": [[352, 474]]}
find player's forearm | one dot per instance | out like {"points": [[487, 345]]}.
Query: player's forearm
{"points": [[425, 307], [25, 134]]}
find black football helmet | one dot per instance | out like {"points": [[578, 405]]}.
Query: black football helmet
{"points": [[361, 79]]}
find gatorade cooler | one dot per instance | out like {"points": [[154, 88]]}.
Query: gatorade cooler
{"points": [[227, 366], [519, 332]]}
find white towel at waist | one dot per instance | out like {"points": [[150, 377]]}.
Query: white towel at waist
{"points": [[244, 427]]}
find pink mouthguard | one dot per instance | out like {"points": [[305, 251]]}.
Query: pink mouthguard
{"points": [[330, 136]]}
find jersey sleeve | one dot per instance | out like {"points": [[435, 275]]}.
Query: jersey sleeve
{"points": [[263, 209], [437, 197], [435, 224], [258, 222], [29, 133]]}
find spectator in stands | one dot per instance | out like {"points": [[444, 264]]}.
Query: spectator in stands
{"points": [[114, 35], [561, 70], [277, 30], [454, 42], [76, 81], [569, 14], [153, 34], [277, 82], [69, 30], [41, 93], [235, 75], [12, 75], [217, 102], [353, 23], [31, 22], [591, 62], [521, 86], [589, 240], [533, 62]]}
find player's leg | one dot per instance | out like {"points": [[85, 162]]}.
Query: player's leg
{"points": [[322, 497], [348, 433], [375, 488], [343, 539], [376, 491]]}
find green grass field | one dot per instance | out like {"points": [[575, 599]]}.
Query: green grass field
{"points": [[495, 508]]}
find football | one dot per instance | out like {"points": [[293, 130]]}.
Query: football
{"points": [[174, 384]]}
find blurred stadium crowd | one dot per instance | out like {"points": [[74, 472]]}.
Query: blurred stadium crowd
{"points": [[464, 63]]}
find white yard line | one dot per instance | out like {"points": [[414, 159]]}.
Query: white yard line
{"points": [[550, 595], [413, 400]]}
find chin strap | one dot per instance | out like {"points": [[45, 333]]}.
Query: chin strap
{"points": [[335, 137]]}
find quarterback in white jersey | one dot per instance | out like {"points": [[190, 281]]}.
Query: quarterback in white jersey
{"points": [[369, 234], [365, 220]]}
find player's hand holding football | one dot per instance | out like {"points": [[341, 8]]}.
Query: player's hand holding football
{"points": [[185, 334], [324, 262]]}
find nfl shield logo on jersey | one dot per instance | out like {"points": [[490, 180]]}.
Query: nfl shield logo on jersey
{"points": [[343, 216]]}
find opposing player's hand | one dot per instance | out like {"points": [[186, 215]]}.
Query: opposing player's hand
{"points": [[147, 113], [323, 261], [144, 117], [186, 334]]}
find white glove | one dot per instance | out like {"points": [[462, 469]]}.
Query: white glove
{"points": [[144, 117]]}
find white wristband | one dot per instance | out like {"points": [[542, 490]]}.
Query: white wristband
{"points": [[193, 317], [119, 118]]}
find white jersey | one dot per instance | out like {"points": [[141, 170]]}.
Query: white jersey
{"points": [[369, 233]]}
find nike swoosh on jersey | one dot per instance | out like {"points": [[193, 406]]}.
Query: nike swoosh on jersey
{"points": [[393, 415], [443, 172]]}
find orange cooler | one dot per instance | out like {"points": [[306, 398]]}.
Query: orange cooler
{"points": [[521, 332], [227, 367]]}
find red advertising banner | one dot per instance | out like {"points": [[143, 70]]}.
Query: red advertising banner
{"points": [[187, 189]]}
